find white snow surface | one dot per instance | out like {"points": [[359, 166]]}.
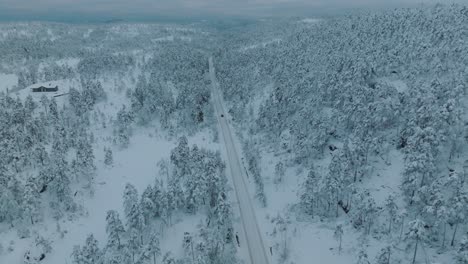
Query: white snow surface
{"points": [[7, 81]]}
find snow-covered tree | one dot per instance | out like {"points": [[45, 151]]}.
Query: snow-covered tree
{"points": [[383, 257], [114, 230], [32, 202], [392, 210], [130, 199], [338, 235], [418, 233], [279, 173], [309, 196], [122, 127], [151, 250], [89, 253]]}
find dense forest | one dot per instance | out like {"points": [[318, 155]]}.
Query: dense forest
{"points": [[322, 108]]}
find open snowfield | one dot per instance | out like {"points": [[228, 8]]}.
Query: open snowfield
{"points": [[7, 82]]}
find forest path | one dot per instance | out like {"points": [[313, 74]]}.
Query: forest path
{"points": [[251, 230]]}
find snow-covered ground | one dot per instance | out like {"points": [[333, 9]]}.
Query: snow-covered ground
{"points": [[8, 82]]}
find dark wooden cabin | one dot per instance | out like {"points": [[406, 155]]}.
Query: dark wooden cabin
{"points": [[42, 89]]}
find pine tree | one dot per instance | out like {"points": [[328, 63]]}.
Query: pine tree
{"points": [[53, 112], [418, 233], [392, 209], [136, 221], [114, 229], [147, 205], [180, 156], [156, 197], [30, 105], [58, 174], [151, 250], [176, 193], [134, 244], [338, 235], [90, 252], [84, 163], [279, 173], [31, 202], [459, 211], [166, 208], [383, 257], [8, 206], [308, 193], [122, 129], [130, 199]]}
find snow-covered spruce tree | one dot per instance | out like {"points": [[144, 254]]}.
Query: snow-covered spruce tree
{"points": [[180, 157], [309, 195], [383, 257], [122, 127], [134, 245], [92, 92], [89, 253], [151, 250], [364, 213], [31, 206], [253, 163], [391, 208], [114, 230], [76, 102], [279, 173], [53, 112], [195, 186], [83, 165], [151, 99], [130, 198], [148, 207], [156, 197], [215, 179], [166, 208], [58, 180], [338, 235], [176, 193], [136, 223], [8, 206], [418, 233]]}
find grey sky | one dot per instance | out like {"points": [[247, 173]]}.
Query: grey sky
{"points": [[145, 8]]}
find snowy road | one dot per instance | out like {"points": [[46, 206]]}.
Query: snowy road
{"points": [[251, 230]]}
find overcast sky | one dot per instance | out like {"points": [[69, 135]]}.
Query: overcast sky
{"points": [[147, 8]]}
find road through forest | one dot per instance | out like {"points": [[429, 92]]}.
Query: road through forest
{"points": [[251, 231]]}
